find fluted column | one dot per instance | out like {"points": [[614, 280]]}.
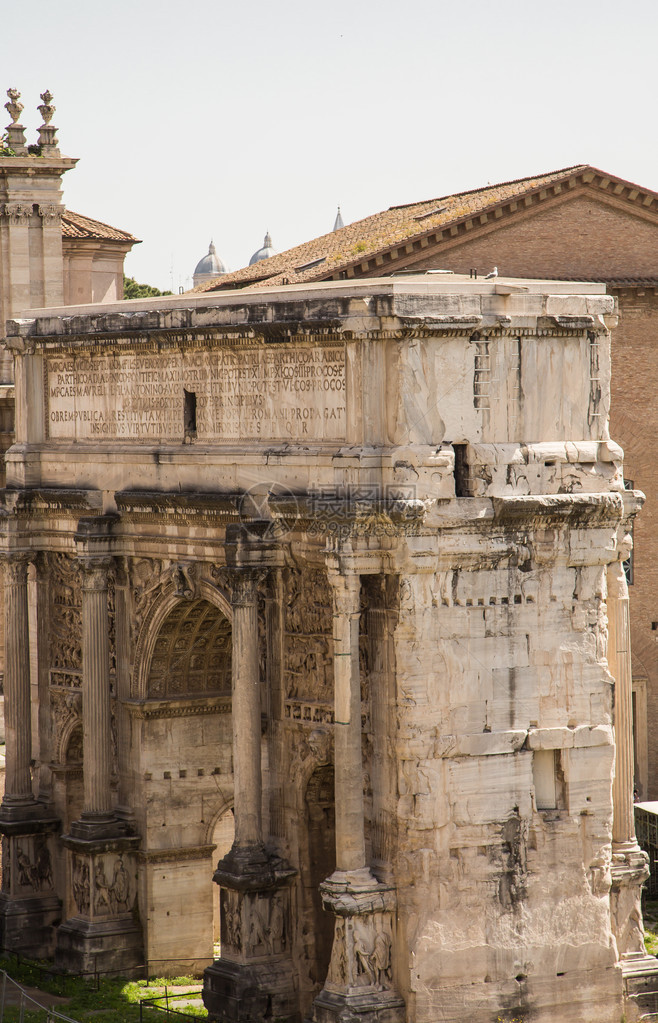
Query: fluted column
{"points": [[96, 719], [18, 722], [630, 864], [350, 831], [246, 710], [619, 663]]}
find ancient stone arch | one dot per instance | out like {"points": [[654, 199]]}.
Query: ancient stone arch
{"points": [[169, 601]]}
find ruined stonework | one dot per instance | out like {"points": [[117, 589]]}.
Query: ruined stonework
{"points": [[329, 642]]}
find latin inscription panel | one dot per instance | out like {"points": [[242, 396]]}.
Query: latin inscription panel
{"points": [[220, 395]]}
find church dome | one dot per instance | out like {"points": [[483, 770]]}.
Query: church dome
{"points": [[265, 252], [208, 267]]}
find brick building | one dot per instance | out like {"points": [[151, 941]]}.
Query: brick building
{"points": [[577, 223]]}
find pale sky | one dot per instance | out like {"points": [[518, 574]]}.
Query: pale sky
{"points": [[221, 120]]}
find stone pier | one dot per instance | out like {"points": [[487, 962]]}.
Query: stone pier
{"points": [[29, 906], [100, 933], [630, 864], [359, 984], [254, 976]]}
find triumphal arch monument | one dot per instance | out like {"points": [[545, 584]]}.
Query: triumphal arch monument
{"points": [[315, 611]]}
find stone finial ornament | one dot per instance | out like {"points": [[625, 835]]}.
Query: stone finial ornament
{"points": [[14, 107], [47, 139], [46, 109], [15, 130]]}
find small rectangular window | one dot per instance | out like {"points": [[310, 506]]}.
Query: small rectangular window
{"points": [[189, 413], [462, 481], [543, 775]]}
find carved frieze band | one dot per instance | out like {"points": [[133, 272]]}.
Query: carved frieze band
{"points": [[154, 709], [192, 852]]}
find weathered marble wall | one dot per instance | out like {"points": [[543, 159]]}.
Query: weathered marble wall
{"points": [[355, 544]]}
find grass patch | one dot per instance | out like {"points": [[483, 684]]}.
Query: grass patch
{"points": [[115, 1001], [650, 914]]}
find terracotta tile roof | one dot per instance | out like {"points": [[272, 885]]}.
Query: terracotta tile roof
{"points": [[74, 225], [322, 257]]}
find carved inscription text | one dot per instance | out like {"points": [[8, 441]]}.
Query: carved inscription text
{"points": [[269, 392]]}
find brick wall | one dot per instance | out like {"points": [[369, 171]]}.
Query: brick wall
{"points": [[579, 235], [587, 235]]}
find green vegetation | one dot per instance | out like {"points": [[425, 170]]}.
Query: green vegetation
{"points": [[131, 289], [650, 914], [115, 1001]]}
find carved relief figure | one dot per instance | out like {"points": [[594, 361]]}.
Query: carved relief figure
{"points": [[258, 931], [80, 884], [6, 865], [26, 872], [120, 887], [232, 922], [65, 613], [42, 864], [308, 629], [277, 930], [338, 964], [373, 962], [102, 894]]}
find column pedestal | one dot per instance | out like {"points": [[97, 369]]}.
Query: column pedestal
{"points": [[100, 932], [359, 985], [30, 909], [253, 979]]}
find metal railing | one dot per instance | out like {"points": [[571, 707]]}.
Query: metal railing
{"points": [[25, 1001], [169, 1013]]}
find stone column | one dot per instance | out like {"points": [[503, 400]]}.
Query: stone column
{"points": [[630, 865], [100, 931], [18, 721], [245, 712], [350, 829], [96, 720], [359, 983], [253, 979], [29, 907]]}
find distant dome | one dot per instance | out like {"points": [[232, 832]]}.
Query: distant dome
{"points": [[209, 267], [265, 252]]}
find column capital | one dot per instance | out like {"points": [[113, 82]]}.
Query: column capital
{"points": [[346, 589], [16, 564], [95, 570], [243, 582]]}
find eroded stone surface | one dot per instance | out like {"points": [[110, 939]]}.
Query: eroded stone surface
{"points": [[356, 545]]}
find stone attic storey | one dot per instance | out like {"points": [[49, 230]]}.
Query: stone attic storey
{"points": [[329, 578]]}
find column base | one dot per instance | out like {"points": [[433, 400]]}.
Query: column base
{"points": [[629, 871], [640, 977], [29, 925], [20, 811], [254, 978], [250, 993], [30, 909], [94, 827], [359, 985], [100, 932], [111, 947], [358, 1007]]}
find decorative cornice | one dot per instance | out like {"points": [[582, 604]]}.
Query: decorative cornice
{"points": [[190, 707], [190, 852]]}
